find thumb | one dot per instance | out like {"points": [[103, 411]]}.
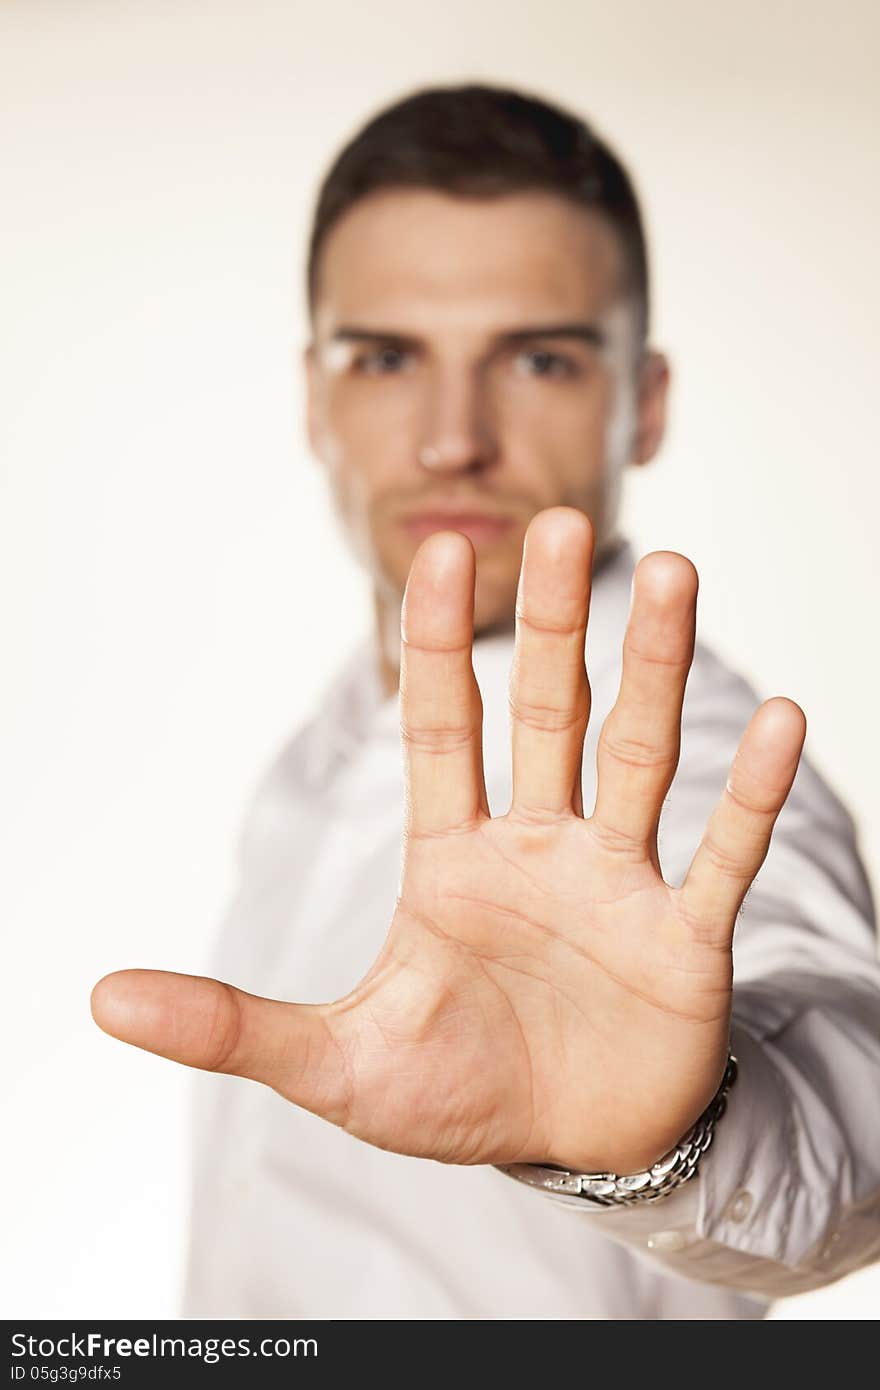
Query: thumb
{"points": [[204, 1023]]}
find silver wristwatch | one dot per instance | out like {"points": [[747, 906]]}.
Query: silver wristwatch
{"points": [[676, 1167]]}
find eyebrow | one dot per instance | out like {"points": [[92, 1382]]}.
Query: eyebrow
{"points": [[585, 332]]}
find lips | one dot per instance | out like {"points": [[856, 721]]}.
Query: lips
{"points": [[477, 526]]}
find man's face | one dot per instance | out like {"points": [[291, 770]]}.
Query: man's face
{"points": [[473, 362]]}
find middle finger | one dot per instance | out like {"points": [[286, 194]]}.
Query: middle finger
{"points": [[549, 690]]}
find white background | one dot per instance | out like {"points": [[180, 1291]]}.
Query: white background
{"points": [[173, 593]]}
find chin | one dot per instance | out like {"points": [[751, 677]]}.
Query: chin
{"points": [[495, 591], [493, 610]]}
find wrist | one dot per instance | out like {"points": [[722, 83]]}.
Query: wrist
{"points": [[641, 1137], [614, 1188]]}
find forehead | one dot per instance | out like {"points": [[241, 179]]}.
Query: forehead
{"points": [[416, 258]]}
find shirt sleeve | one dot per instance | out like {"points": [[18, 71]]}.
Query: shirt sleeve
{"points": [[787, 1197]]}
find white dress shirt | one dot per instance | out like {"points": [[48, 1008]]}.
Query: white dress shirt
{"points": [[292, 1217]]}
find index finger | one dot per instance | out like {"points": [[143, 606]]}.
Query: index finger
{"points": [[441, 712]]}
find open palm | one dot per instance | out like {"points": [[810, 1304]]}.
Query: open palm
{"points": [[542, 994]]}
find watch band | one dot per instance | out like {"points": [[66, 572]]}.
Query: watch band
{"points": [[671, 1171]]}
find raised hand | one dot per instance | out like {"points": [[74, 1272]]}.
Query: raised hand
{"points": [[542, 994]]}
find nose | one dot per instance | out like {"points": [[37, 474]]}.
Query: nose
{"points": [[457, 434]]}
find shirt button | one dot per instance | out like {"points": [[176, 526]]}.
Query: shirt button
{"points": [[828, 1249], [669, 1241], [740, 1206]]}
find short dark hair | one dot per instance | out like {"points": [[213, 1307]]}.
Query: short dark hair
{"points": [[485, 141]]}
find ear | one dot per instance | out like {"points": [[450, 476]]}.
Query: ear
{"points": [[313, 392], [653, 388]]}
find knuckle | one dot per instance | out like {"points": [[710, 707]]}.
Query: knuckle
{"points": [[438, 740], [637, 753], [531, 816], [548, 718], [704, 928], [416, 833], [669, 660], [750, 804], [724, 861], [576, 628], [224, 1031], [616, 841], [411, 647]]}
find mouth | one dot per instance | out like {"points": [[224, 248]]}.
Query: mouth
{"points": [[479, 527]]}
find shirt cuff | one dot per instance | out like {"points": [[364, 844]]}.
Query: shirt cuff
{"points": [[749, 1178]]}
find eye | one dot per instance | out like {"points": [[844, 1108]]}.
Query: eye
{"points": [[385, 360], [543, 362]]}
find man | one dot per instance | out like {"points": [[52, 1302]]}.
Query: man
{"points": [[555, 995]]}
